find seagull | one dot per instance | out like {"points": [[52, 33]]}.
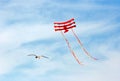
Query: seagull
{"points": [[38, 56]]}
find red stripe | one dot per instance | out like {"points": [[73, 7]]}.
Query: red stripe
{"points": [[59, 29], [64, 22], [64, 25]]}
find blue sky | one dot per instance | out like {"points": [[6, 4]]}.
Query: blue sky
{"points": [[26, 26]]}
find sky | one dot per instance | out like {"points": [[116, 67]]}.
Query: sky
{"points": [[26, 27]]}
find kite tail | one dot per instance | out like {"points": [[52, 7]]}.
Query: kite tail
{"points": [[76, 58], [81, 45]]}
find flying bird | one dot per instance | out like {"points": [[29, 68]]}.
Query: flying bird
{"points": [[38, 56]]}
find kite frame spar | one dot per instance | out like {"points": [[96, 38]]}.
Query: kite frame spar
{"points": [[65, 26]]}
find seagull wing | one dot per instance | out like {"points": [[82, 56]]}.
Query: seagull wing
{"points": [[44, 56], [32, 55]]}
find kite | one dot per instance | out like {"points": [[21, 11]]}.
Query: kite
{"points": [[66, 26], [38, 57]]}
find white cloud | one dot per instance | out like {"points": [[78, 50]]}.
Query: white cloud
{"points": [[107, 70]]}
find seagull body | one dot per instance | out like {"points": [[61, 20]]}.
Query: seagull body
{"points": [[38, 56]]}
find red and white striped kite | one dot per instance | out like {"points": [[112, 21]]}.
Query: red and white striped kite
{"points": [[66, 26]]}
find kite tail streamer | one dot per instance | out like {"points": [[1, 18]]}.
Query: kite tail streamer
{"points": [[76, 58], [81, 45]]}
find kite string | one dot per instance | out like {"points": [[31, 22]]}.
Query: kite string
{"points": [[81, 45], [70, 48]]}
